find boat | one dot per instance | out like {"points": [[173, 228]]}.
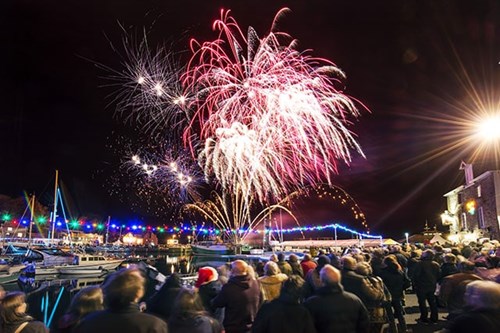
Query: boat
{"points": [[89, 264], [9, 272], [211, 249], [80, 271]]}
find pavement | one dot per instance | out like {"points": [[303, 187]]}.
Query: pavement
{"points": [[412, 314]]}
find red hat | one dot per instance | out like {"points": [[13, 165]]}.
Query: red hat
{"points": [[205, 275]]}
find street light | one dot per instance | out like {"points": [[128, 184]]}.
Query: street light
{"points": [[487, 129], [406, 235]]}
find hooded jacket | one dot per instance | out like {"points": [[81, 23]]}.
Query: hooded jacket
{"points": [[241, 297]]}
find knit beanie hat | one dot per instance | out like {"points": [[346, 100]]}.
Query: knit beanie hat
{"points": [[205, 275]]}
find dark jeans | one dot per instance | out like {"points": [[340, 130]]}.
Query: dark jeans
{"points": [[428, 296], [399, 313]]}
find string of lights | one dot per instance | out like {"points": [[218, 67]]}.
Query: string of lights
{"points": [[113, 227]]}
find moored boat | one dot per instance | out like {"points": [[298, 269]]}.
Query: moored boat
{"points": [[211, 249], [90, 264]]}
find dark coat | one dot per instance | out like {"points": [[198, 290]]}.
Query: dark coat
{"points": [[452, 291], [162, 302], [67, 323], [484, 321], [447, 268], [426, 275], [360, 286], [296, 268], [394, 280], [129, 320], [283, 315], [241, 297], [201, 323], [32, 327], [334, 310], [207, 292]]}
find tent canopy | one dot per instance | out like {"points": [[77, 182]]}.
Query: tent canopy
{"points": [[438, 239], [390, 241]]}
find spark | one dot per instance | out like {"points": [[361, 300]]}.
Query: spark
{"points": [[233, 212], [270, 119], [150, 92]]}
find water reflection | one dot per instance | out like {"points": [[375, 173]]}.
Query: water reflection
{"points": [[49, 296]]}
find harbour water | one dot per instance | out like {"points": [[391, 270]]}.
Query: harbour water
{"points": [[49, 296]]}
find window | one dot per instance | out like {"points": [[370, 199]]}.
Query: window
{"points": [[480, 217], [479, 191], [464, 221]]}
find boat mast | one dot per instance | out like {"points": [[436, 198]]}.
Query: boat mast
{"points": [[32, 219], [54, 214], [107, 231]]}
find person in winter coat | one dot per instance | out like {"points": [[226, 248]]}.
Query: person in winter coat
{"points": [[395, 280], [189, 315], [335, 310], [307, 264], [285, 314], [13, 315], [122, 292], [209, 286], [284, 266], [379, 309], [358, 284], [162, 302], [449, 266], [241, 297], [312, 278], [425, 276], [293, 260], [453, 287], [86, 301], [482, 309], [271, 282]]}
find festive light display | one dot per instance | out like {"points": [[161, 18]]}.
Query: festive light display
{"points": [[270, 118], [230, 213], [261, 118], [203, 230]]}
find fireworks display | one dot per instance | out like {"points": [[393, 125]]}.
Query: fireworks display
{"points": [[234, 215], [149, 89], [260, 118], [270, 118]]}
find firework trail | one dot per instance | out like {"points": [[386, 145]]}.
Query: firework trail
{"points": [[269, 118], [174, 174], [151, 177], [149, 88], [235, 215]]}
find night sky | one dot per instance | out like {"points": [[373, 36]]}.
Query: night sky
{"points": [[422, 68]]}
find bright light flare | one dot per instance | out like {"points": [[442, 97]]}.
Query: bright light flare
{"points": [[489, 128]]}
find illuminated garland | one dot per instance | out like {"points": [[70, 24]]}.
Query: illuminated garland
{"points": [[114, 227]]}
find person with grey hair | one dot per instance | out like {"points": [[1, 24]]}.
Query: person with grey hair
{"points": [[482, 309], [241, 297], [271, 282], [335, 310]]}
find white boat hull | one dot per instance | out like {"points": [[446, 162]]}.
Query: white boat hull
{"points": [[80, 271]]}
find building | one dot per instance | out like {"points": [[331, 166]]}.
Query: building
{"points": [[473, 209]]}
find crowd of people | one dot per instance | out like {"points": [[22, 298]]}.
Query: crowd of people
{"points": [[355, 290]]}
